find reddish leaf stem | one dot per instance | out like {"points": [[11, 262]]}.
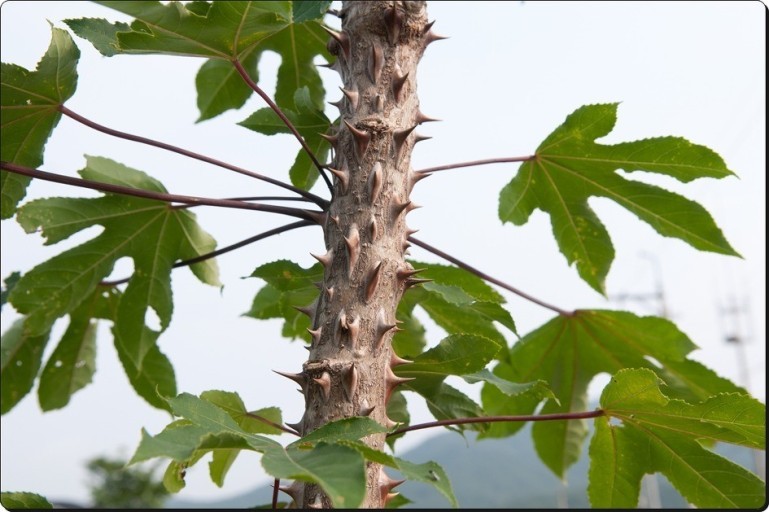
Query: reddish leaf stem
{"points": [[478, 162], [282, 116], [270, 423], [223, 250], [275, 486], [191, 154], [487, 277], [497, 419], [158, 196]]}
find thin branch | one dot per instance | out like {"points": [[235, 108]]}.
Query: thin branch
{"points": [[253, 198], [158, 196], [282, 116], [478, 162], [223, 250], [271, 423], [275, 487], [487, 277], [191, 154], [498, 419]]}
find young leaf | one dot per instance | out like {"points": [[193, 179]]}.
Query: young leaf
{"points": [[154, 235], [20, 358], [568, 351], [661, 435], [569, 167], [29, 102], [288, 285]]}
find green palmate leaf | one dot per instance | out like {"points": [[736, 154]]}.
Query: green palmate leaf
{"points": [[72, 365], [23, 500], [305, 10], [21, 355], [428, 473], [569, 167], [288, 286], [221, 32], [349, 429], [29, 102], [222, 29], [569, 351], [410, 340], [153, 234], [659, 434], [309, 121]]}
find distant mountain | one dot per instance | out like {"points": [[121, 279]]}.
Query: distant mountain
{"points": [[493, 473]]}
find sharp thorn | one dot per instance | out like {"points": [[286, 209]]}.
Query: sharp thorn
{"points": [[350, 381], [398, 81], [375, 182], [375, 63], [324, 259], [352, 241], [373, 281], [364, 409], [399, 140], [352, 97], [421, 118], [299, 378], [324, 381], [343, 175], [393, 20], [362, 138], [342, 39], [397, 361]]}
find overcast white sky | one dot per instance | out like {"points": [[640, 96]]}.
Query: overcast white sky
{"points": [[508, 75]]}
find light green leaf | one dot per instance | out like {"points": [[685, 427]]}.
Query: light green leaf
{"points": [[569, 351], [305, 10], [446, 402], [459, 354], [220, 87], [429, 473], [659, 434], [350, 429], [569, 167], [29, 102], [23, 500], [154, 235], [101, 33], [21, 355]]}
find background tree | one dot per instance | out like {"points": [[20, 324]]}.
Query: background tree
{"points": [[594, 283], [113, 485]]}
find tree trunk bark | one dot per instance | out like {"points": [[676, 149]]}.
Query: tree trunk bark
{"points": [[349, 370]]}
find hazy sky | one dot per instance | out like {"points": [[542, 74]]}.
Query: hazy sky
{"points": [[508, 75]]}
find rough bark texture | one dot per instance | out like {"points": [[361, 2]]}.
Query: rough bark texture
{"points": [[349, 369]]}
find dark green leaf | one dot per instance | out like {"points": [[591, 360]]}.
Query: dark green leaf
{"points": [[21, 355], [570, 167], [154, 235], [446, 402], [305, 10], [459, 354], [428, 473], [29, 102], [338, 469], [9, 283], [309, 121], [223, 31], [220, 87], [23, 500], [661, 435]]}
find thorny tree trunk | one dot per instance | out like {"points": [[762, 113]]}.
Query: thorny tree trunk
{"points": [[349, 370]]}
